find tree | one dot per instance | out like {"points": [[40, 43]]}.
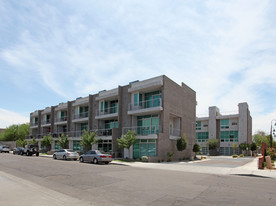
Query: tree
{"points": [[212, 144], [63, 141], [21, 143], [244, 146], [181, 143], [259, 137], [253, 146], [127, 140], [196, 148], [33, 141], [46, 142], [88, 139], [234, 146], [15, 132]]}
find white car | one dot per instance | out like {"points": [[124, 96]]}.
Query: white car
{"points": [[4, 148], [66, 154]]}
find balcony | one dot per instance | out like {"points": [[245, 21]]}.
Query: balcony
{"points": [[107, 113], [61, 120], [33, 124], [144, 132], [145, 107], [46, 122], [81, 117], [104, 132]]}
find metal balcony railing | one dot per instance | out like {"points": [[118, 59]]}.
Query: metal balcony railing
{"points": [[145, 104], [81, 115], [143, 130], [109, 110], [104, 132]]}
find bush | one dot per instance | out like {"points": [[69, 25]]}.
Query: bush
{"points": [[144, 158], [264, 164], [181, 143], [241, 155], [169, 155], [234, 155]]}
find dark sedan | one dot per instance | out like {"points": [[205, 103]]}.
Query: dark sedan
{"points": [[18, 150]]}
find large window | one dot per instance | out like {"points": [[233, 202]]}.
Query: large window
{"points": [[148, 124], [224, 123], [114, 106], [144, 147], [198, 125], [84, 126], [57, 145], [76, 145], [109, 124], [153, 99], [229, 136], [105, 146], [202, 136]]}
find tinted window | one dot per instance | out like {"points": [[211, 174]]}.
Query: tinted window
{"points": [[93, 152]]}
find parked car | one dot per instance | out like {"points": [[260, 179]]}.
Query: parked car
{"points": [[95, 156], [66, 154], [30, 149], [18, 150], [4, 148]]}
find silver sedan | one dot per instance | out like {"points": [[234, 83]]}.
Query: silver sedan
{"points": [[95, 156], [66, 154]]}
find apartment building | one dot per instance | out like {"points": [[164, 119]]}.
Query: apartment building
{"points": [[157, 109], [227, 128]]}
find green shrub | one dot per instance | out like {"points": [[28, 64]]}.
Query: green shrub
{"points": [[145, 158], [169, 155], [241, 155], [264, 164], [234, 155]]}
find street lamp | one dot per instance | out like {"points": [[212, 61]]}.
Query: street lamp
{"points": [[271, 131], [191, 142]]}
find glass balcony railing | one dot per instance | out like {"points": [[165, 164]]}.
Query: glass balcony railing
{"points": [[143, 130], [109, 110], [81, 115], [146, 104], [47, 121], [61, 119], [33, 124]]}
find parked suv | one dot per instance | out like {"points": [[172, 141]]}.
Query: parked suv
{"points": [[4, 148], [30, 149]]}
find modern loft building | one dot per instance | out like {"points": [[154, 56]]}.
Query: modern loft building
{"points": [[228, 129], [158, 109]]}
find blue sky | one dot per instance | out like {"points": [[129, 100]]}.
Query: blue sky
{"points": [[55, 51]]}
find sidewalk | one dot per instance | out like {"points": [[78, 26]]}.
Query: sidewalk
{"points": [[249, 169]]}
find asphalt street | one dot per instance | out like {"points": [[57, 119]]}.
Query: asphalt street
{"points": [[32, 180]]}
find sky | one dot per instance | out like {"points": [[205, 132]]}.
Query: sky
{"points": [[56, 51]]}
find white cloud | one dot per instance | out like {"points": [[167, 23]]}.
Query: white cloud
{"points": [[8, 118]]}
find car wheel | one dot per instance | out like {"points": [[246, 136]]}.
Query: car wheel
{"points": [[95, 161], [54, 157], [28, 153], [64, 157], [81, 159]]}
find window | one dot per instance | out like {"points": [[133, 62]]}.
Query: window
{"points": [[153, 99], [114, 106], [198, 125], [76, 145], [105, 146], [136, 99], [224, 123], [148, 124], [145, 147], [57, 146], [229, 136], [234, 123], [202, 136]]}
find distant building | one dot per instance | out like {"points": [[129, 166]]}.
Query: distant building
{"points": [[157, 109], [228, 129], [2, 130]]}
